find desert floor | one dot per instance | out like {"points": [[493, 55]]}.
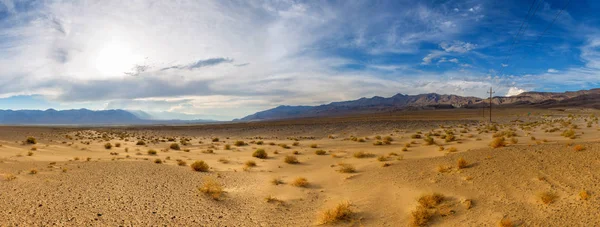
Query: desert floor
{"points": [[438, 168]]}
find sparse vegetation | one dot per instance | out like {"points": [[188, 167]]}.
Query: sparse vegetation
{"points": [[174, 146], [200, 166], [462, 163], [152, 152], [346, 168], [341, 212], [420, 216], [260, 153], [320, 152], [30, 140], [579, 148], [212, 188], [300, 182], [362, 154], [547, 197], [239, 143], [107, 146], [584, 195], [431, 200], [291, 159], [276, 181], [498, 142], [158, 161], [314, 145]]}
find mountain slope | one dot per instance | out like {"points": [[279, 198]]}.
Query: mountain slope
{"points": [[583, 98], [81, 116]]}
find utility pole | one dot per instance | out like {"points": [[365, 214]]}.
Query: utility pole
{"points": [[491, 93]]}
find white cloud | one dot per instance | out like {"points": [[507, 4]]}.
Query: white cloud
{"points": [[513, 91], [552, 71], [457, 46]]}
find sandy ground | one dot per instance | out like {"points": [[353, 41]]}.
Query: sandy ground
{"points": [[69, 178]]}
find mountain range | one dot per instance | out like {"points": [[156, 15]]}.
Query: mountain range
{"points": [[83, 117], [583, 98]]}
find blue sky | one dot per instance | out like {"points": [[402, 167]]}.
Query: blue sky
{"points": [[226, 59]]}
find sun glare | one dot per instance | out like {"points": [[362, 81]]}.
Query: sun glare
{"points": [[115, 58]]}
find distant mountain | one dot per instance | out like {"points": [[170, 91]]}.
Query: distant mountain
{"points": [[584, 98], [82, 117]]}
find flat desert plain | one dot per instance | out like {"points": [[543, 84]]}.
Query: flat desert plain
{"points": [[426, 168]]}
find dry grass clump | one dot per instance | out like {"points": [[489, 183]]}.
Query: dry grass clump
{"points": [[200, 166], [341, 212], [29, 153], [505, 222], [140, 143], [382, 158], [578, 148], [314, 145], [569, 134], [584, 195], [107, 146], [117, 144], [30, 140], [260, 153], [429, 140], [249, 164], [239, 143], [462, 163], [291, 159], [547, 197], [174, 146], [276, 181], [181, 162], [33, 171], [498, 142], [346, 168], [420, 216], [452, 149], [212, 188], [223, 160], [271, 199], [320, 152], [9, 177], [300, 182], [443, 169], [431, 200], [362, 154], [158, 161], [514, 140], [152, 152]]}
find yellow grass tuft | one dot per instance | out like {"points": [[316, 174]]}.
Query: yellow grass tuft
{"points": [[200, 166], [584, 195], [341, 212], [260, 153], [300, 182], [547, 197], [498, 142], [462, 163], [212, 188], [431, 200], [420, 216], [291, 159], [579, 148]]}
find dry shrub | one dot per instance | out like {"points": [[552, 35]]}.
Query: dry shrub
{"points": [[547, 197], [452, 149], [314, 146], [291, 159], [200, 166], [443, 169], [107, 145], [320, 152], [420, 216], [578, 148], [584, 195], [9, 177], [181, 162], [431, 200], [271, 199], [341, 212], [223, 160], [362, 154], [276, 181], [151, 152], [498, 142], [569, 134], [505, 222], [158, 161], [250, 164], [429, 140], [174, 146], [346, 168], [239, 143], [462, 163], [514, 140], [382, 158], [33, 171], [212, 188], [260, 153], [300, 182]]}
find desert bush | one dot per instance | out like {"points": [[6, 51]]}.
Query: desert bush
{"points": [[260, 142], [284, 146], [514, 140], [341, 212], [300, 182], [250, 164], [505, 222], [547, 197], [431, 200], [152, 152], [140, 143], [296, 144], [276, 181], [498, 142], [181, 162], [29, 153], [33, 171], [416, 136], [117, 144], [429, 140], [362, 154], [420, 216], [30, 140], [271, 199], [108, 145], [450, 137], [314, 145], [291, 159], [158, 161], [452, 149], [227, 147], [381, 158], [346, 168], [569, 134], [212, 188], [215, 139], [223, 160], [9, 177], [296, 152], [377, 143], [462, 163], [200, 166], [239, 143], [260, 153], [388, 138], [174, 146], [584, 195], [320, 152]]}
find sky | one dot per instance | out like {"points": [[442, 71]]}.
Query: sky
{"points": [[225, 59]]}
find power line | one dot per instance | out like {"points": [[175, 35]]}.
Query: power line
{"points": [[550, 25], [516, 40]]}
